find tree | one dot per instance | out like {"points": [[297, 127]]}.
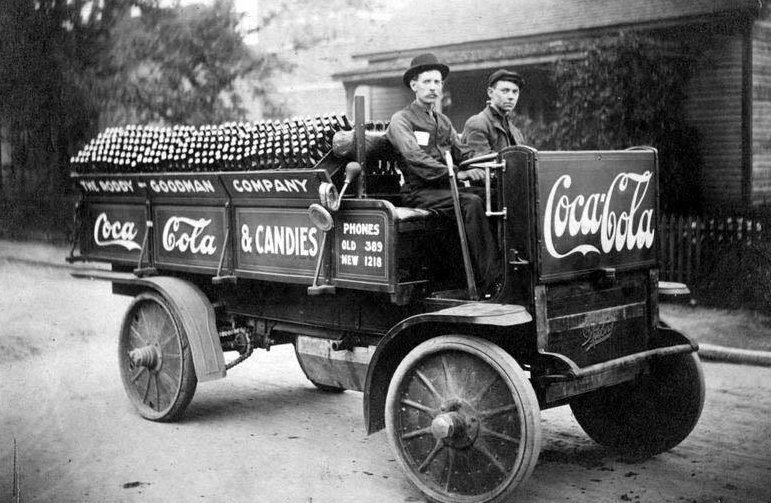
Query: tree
{"points": [[71, 67], [629, 90], [181, 65], [42, 103]]}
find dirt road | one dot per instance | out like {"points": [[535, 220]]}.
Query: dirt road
{"points": [[264, 434]]}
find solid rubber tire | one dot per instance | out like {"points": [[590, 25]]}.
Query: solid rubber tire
{"points": [[647, 416]]}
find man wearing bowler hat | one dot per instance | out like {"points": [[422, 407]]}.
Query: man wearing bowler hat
{"points": [[422, 135], [492, 129]]}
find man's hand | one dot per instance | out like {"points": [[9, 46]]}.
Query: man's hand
{"points": [[474, 174]]}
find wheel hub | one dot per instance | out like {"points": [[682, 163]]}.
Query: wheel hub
{"points": [[148, 356], [457, 425]]}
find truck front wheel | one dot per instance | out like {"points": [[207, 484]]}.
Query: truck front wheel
{"points": [[463, 420], [647, 416]]}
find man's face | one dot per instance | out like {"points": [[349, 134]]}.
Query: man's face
{"points": [[504, 95], [427, 86]]}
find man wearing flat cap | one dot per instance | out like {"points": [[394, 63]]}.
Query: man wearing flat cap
{"points": [[422, 135], [492, 129]]}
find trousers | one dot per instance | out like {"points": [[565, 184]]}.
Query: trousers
{"points": [[485, 259]]}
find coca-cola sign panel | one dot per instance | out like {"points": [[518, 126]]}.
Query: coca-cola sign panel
{"points": [[596, 211], [114, 231], [189, 235]]}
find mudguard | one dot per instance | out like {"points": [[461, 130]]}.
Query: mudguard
{"points": [[410, 332], [195, 313]]}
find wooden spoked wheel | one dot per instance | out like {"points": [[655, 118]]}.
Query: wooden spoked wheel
{"points": [[463, 420], [155, 361]]}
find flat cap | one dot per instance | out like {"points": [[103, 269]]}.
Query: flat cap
{"points": [[504, 74]]}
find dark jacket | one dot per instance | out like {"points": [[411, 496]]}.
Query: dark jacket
{"points": [[422, 154], [488, 132]]}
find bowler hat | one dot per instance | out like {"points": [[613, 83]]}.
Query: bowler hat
{"points": [[424, 63], [503, 74]]}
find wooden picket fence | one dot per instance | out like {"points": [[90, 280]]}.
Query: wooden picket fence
{"points": [[686, 241]]}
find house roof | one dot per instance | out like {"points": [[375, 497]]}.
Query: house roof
{"points": [[439, 23]]}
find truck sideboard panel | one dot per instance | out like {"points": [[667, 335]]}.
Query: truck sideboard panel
{"points": [[276, 243], [582, 227], [591, 322], [596, 210], [113, 231], [189, 236], [253, 225]]}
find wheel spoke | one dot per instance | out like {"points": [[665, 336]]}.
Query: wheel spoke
{"points": [[498, 410], [417, 433], [165, 327], [138, 374], [449, 383], [450, 466], [485, 388], [155, 318], [168, 338], [144, 319], [167, 332], [136, 334], [169, 381], [147, 390], [172, 364], [419, 406], [431, 455], [482, 448], [502, 436], [429, 385], [157, 392]]}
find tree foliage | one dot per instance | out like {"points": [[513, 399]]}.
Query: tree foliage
{"points": [[72, 67], [45, 102], [181, 66], [629, 90]]}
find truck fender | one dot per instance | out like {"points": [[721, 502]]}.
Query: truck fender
{"points": [[405, 335], [199, 321], [195, 313]]}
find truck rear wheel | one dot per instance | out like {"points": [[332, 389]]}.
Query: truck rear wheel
{"points": [[463, 420], [649, 415], [156, 364]]}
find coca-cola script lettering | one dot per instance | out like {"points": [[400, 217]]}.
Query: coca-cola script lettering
{"points": [[186, 234], [568, 216], [117, 233]]}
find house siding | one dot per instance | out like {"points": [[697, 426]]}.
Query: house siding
{"points": [[464, 21], [385, 100], [728, 99], [714, 108], [761, 113]]}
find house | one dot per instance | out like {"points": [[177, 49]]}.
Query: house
{"points": [[728, 97]]}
